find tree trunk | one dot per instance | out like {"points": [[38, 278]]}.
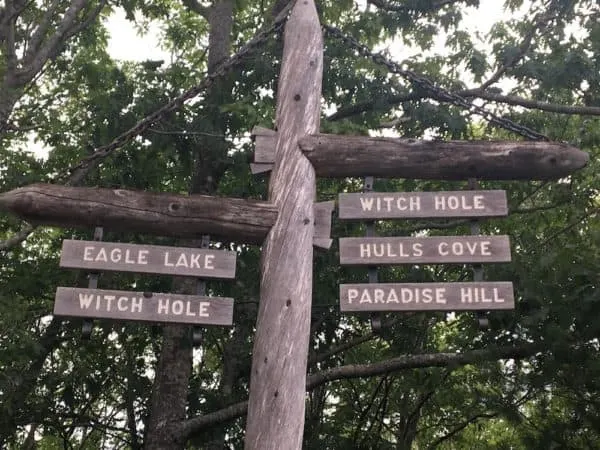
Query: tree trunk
{"points": [[277, 381], [170, 390]]}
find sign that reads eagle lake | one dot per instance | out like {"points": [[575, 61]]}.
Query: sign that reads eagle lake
{"points": [[471, 296], [436, 249], [194, 262], [148, 307], [420, 205]]}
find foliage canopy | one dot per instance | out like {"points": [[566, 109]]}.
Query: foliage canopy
{"points": [[429, 380]]}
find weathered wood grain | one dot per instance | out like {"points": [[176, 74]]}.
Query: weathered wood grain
{"points": [[239, 220], [352, 156], [278, 377], [322, 237], [182, 261], [468, 296], [143, 306], [369, 251], [421, 205]]}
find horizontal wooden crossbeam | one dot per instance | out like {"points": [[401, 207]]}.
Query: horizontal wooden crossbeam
{"points": [[239, 220], [339, 156]]}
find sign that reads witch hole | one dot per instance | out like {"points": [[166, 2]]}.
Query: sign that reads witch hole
{"points": [[436, 249], [196, 262], [415, 205], [468, 296], [149, 307]]}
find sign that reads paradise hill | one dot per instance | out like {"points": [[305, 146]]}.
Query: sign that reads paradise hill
{"points": [[415, 205], [469, 296], [196, 262], [436, 249], [149, 307]]}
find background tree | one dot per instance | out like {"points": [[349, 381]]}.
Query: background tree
{"points": [[427, 380]]}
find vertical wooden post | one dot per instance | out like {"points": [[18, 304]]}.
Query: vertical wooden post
{"points": [[278, 378]]}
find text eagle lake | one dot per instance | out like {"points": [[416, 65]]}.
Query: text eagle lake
{"points": [[197, 262]]}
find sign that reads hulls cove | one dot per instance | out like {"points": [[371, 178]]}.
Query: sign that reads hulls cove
{"points": [[149, 307], [196, 262], [416, 205], [437, 249], [470, 296]]}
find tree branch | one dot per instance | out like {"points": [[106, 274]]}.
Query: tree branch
{"points": [[195, 6], [381, 4], [36, 58], [513, 100], [79, 172], [462, 426], [404, 362], [540, 24], [37, 38], [17, 238]]}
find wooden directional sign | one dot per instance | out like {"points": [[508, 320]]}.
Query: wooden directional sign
{"points": [[471, 296], [414, 205], [439, 249], [149, 307], [181, 261]]}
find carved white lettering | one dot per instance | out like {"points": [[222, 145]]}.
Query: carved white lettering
{"points": [[87, 253], [85, 300], [101, 256], [366, 203], [459, 248], [480, 295], [136, 304], [391, 295], [123, 304], [181, 261], [163, 306], [203, 309], [352, 295], [456, 202], [177, 307]]}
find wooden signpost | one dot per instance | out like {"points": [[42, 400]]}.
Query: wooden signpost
{"points": [[289, 225]]}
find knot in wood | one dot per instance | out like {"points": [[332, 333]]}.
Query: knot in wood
{"points": [[297, 97]]}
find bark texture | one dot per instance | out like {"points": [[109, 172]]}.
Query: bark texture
{"points": [[238, 220], [171, 385], [277, 381], [349, 156]]}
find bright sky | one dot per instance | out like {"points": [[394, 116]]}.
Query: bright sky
{"points": [[126, 44]]}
